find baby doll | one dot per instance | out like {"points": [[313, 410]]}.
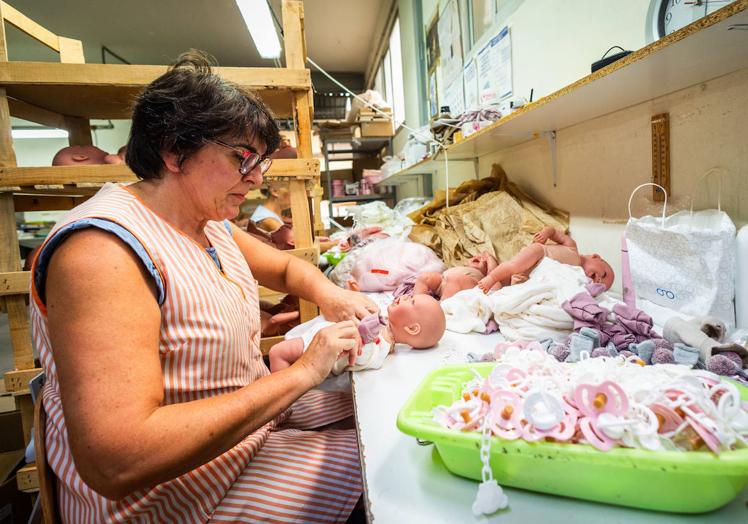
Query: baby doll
{"points": [[444, 285], [564, 250], [417, 321], [83, 155]]}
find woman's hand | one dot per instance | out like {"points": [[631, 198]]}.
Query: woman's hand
{"points": [[343, 304], [327, 346]]}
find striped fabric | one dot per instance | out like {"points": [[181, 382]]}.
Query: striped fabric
{"points": [[209, 345]]}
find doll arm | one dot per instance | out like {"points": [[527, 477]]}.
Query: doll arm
{"points": [[551, 233], [427, 283], [522, 262]]}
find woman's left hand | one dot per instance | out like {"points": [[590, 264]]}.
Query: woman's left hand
{"points": [[343, 304]]}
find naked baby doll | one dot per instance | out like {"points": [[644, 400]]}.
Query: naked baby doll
{"points": [[417, 321], [564, 250], [455, 279]]}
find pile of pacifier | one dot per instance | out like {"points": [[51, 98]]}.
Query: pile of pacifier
{"points": [[606, 402]]}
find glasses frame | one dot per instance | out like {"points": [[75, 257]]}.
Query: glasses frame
{"points": [[250, 160]]}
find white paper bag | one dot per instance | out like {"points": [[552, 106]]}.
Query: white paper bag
{"points": [[684, 262]]}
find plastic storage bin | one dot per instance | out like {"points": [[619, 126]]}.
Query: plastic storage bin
{"points": [[680, 482]]}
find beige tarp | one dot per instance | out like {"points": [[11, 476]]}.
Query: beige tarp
{"points": [[491, 214]]}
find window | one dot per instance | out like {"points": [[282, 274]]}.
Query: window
{"points": [[389, 78]]}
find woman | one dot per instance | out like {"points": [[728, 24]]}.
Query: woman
{"points": [[146, 317]]}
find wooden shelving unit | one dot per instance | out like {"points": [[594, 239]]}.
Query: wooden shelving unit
{"points": [[706, 49], [67, 95]]}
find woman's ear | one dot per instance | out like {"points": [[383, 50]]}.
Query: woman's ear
{"points": [[413, 329], [173, 162]]}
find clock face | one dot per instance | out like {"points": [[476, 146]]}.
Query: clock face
{"points": [[667, 16]]}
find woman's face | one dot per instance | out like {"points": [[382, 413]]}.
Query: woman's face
{"points": [[212, 179]]}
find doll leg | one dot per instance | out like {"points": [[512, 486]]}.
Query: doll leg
{"points": [[285, 353]]}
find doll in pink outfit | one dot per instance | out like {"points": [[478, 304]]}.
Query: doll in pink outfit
{"points": [[415, 320], [564, 250]]}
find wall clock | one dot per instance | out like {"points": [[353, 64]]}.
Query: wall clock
{"points": [[667, 16]]}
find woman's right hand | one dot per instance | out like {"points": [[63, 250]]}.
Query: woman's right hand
{"points": [[327, 346]]}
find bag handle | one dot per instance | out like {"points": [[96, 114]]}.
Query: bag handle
{"points": [[664, 204], [721, 172]]}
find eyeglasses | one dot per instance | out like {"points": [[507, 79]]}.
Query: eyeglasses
{"points": [[248, 159]]}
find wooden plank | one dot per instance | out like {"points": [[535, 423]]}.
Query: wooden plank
{"points": [[71, 51], [3, 44], [25, 111], [302, 226], [26, 406], [11, 176], [31, 28], [294, 45], [124, 75], [18, 380], [15, 283], [27, 479], [79, 130], [107, 90], [10, 261], [46, 202]]}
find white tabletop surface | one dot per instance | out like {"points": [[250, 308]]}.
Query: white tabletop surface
{"points": [[408, 483]]}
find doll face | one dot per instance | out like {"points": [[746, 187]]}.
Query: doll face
{"points": [[598, 270], [416, 320], [82, 155]]}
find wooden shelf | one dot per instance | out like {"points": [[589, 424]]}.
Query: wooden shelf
{"points": [[109, 90], [80, 176], [701, 51]]}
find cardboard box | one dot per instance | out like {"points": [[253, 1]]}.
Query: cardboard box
{"points": [[381, 128]]}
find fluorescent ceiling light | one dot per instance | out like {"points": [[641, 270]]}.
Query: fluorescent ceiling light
{"points": [[256, 14], [39, 133]]}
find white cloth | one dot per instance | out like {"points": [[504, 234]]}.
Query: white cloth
{"points": [[528, 311], [261, 213], [372, 355], [467, 310]]}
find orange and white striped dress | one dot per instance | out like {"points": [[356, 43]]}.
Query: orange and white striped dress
{"points": [[209, 345]]}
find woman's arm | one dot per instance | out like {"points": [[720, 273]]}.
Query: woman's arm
{"points": [[104, 325], [288, 274]]}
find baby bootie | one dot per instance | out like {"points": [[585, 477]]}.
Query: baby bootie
{"points": [[644, 350], [577, 344], [685, 355]]}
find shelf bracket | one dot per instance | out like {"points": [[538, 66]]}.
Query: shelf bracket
{"points": [[551, 137]]}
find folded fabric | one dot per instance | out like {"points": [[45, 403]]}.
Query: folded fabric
{"points": [[467, 310]]}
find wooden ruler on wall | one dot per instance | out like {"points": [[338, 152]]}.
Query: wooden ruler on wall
{"points": [[660, 155]]}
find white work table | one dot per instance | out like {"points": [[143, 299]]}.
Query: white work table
{"points": [[406, 482]]}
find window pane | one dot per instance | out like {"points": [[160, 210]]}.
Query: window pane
{"points": [[397, 92]]}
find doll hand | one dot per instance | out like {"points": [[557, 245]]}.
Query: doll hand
{"points": [[343, 304], [543, 235], [485, 284]]}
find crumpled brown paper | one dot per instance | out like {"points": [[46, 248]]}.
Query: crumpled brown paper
{"points": [[491, 214]]}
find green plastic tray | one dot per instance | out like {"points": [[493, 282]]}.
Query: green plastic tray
{"points": [[680, 482]]}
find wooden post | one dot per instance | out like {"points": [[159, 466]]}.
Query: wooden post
{"points": [[79, 130], [295, 49], [10, 255]]}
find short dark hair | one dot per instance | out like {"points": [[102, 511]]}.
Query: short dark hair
{"points": [[187, 105]]}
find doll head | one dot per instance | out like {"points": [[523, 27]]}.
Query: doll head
{"points": [[598, 270], [416, 320], [285, 150], [483, 262], [83, 155]]}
